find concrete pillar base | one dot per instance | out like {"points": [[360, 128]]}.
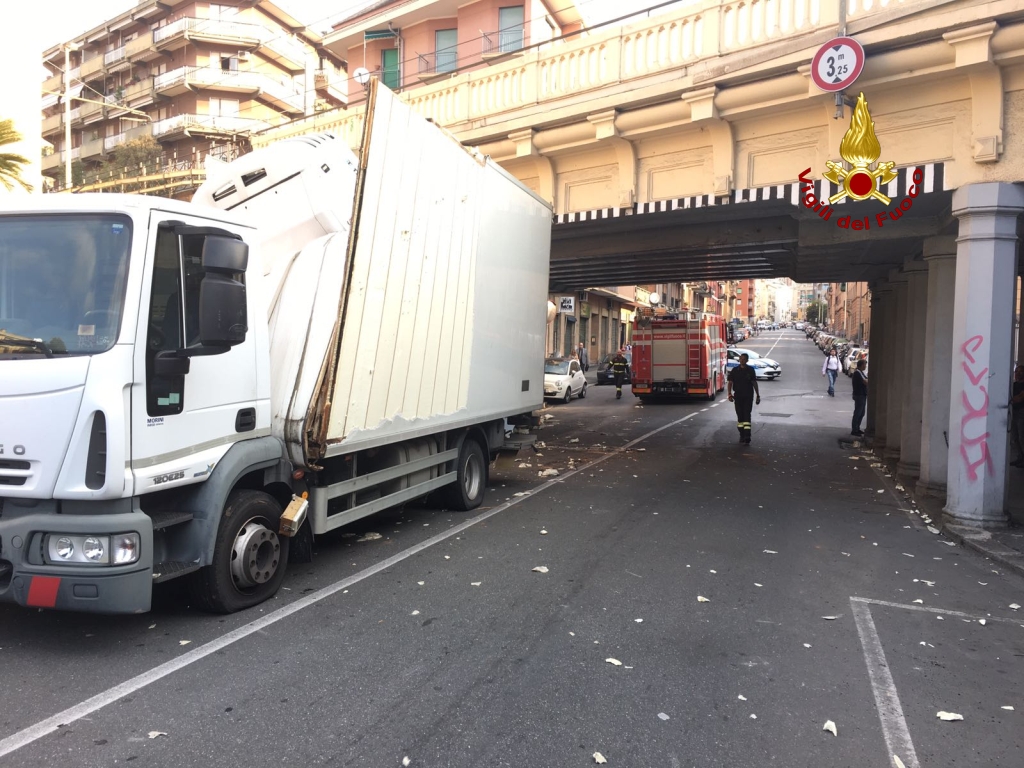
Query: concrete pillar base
{"points": [[986, 523], [891, 454], [932, 490], [908, 470]]}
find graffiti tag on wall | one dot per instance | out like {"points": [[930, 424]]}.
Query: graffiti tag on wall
{"points": [[974, 396]]}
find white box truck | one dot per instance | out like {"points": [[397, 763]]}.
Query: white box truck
{"points": [[197, 389]]}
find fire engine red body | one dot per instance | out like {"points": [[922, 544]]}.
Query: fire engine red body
{"points": [[679, 354]]}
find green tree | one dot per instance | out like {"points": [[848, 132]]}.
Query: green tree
{"points": [[816, 312], [138, 157], [10, 163]]}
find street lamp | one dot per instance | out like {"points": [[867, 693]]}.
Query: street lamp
{"points": [[68, 48]]}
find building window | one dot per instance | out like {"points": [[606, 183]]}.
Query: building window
{"points": [[389, 72], [511, 22], [446, 43], [229, 63], [224, 107]]}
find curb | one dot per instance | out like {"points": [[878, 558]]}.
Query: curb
{"points": [[977, 539], [981, 541]]}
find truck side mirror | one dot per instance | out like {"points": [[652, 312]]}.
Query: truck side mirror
{"points": [[222, 297]]}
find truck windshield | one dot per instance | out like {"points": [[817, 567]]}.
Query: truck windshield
{"points": [[62, 283]]}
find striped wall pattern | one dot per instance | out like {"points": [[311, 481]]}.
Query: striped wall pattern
{"points": [[934, 181]]}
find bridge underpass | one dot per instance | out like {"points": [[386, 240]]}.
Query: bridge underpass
{"points": [[758, 233]]}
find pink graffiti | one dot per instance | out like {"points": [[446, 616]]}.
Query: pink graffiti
{"points": [[979, 443]]}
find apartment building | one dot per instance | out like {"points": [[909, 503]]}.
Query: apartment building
{"points": [[198, 77], [849, 310], [407, 43]]}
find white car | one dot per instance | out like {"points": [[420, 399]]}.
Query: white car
{"points": [[764, 368], [563, 379]]}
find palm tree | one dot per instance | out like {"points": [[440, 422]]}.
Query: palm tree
{"points": [[10, 163]]}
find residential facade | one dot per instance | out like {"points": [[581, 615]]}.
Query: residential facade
{"points": [[407, 44], [849, 310], [198, 77]]}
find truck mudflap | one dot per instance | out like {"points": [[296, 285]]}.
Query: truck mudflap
{"points": [[28, 580]]}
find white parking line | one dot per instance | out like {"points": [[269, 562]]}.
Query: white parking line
{"points": [[28, 735], [887, 700]]}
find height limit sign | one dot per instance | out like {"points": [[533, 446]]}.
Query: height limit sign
{"points": [[837, 64]]}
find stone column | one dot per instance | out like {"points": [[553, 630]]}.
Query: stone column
{"points": [[940, 255], [877, 391], [875, 342], [913, 359], [986, 268], [896, 365]]}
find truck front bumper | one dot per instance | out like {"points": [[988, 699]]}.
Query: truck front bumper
{"points": [[27, 579]]}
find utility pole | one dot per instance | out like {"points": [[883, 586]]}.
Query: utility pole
{"points": [[68, 47]]}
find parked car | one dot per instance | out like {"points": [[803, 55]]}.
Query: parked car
{"points": [[800, 326], [764, 368], [563, 378], [605, 374]]}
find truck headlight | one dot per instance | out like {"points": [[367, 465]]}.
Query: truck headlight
{"points": [[64, 548], [125, 548], [93, 549]]}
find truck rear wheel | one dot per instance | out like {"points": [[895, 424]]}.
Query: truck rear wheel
{"points": [[467, 491], [249, 557]]}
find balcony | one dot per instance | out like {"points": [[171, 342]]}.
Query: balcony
{"points": [[140, 94], [286, 96], [284, 51], [434, 65], [92, 111], [55, 123], [56, 160], [141, 48], [92, 69], [92, 148], [116, 60], [181, 125], [502, 42], [327, 87], [234, 33]]}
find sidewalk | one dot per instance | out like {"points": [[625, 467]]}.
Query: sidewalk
{"points": [[1005, 546]]}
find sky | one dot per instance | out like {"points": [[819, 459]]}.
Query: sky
{"points": [[65, 19]]}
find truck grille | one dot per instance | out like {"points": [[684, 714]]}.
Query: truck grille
{"points": [[14, 471]]}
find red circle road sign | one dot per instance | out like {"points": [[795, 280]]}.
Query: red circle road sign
{"points": [[837, 64]]}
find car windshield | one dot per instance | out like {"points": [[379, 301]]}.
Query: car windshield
{"points": [[557, 367], [62, 283], [751, 354]]}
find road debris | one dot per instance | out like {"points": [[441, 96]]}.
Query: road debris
{"points": [[1013, 607], [541, 569], [369, 537], [616, 662], [415, 613], [753, 717], [663, 716], [548, 473], [897, 762], [830, 727], [1007, 708], [156, 734], [807, 645], [758, 585], [741, 697], [919, 601], [982, 622], [770, 552], [948, 716], [933, 529], [599, 758], [406, 761], [639, 621], [522, 493], [184, 642], [475, 583], [543, 533], [830, 618], [702, 599], [421, 583]]}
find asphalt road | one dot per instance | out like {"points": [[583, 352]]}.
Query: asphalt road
{"points": [[828, 599]]}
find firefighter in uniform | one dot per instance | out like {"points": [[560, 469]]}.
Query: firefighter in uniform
{"points": [[619, 365], [742, 389]]}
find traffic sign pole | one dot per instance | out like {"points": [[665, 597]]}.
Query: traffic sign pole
{"points": [[841, 95]]}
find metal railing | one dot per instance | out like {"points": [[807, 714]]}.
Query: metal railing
{"points": [[218, 123], [438, 62], [212, 27], [114, 56], [503, 41]]}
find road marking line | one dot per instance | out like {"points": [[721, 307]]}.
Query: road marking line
{"points": [[887, 700], [926, 609], [28, 735]]}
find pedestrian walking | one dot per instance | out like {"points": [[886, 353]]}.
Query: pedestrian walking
{"points": [[1017, 425], [619, 365], [584, 358], [831, 369], [860, 396], [742, 389]]}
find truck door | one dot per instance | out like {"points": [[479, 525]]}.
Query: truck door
{"points": [[183, 423]]}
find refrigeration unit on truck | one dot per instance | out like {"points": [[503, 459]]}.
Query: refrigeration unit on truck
{"points": [[197, 389], [678, 354]]}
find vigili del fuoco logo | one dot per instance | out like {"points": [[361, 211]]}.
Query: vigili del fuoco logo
{"points": [[860, 149]]}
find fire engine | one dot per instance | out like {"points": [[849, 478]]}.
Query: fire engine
{"points": [[678, 354]]}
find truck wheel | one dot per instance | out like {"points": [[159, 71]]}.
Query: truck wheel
{"points": [[467, 491], [714, 388], [249, 558]]}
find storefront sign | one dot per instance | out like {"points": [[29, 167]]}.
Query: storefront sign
{"points": [[567, 305]]}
